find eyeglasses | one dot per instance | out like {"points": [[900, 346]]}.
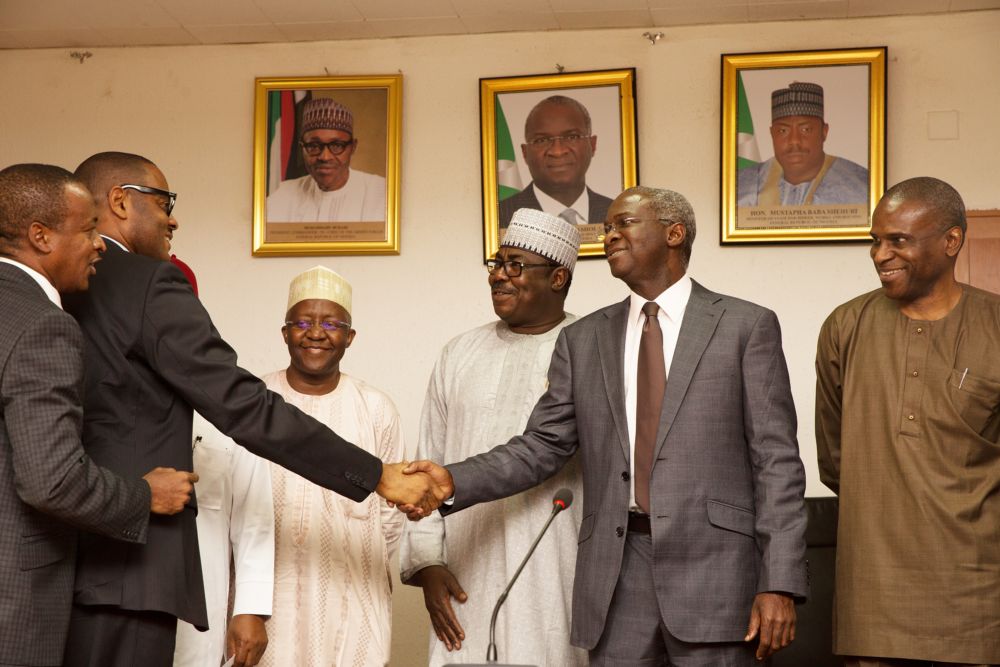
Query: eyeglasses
{"points": [[511, 268], [627, 223], [329, 326], [146, 190], [315, 148], [567, 139]]}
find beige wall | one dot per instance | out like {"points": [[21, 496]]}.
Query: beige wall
{"points": [[190, 110]]}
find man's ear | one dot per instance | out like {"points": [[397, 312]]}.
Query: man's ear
{"points": [[676, 233], [40, 237], [954, 240], [116, 202], [559, 278]]}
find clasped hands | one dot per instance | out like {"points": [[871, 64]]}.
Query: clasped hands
{"points": [[417, 488]]}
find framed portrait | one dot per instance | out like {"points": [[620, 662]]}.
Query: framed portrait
{"points": [[560, 143], [803, 144], [326, 165]]}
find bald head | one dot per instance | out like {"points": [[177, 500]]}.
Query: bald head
{"points": [[941, 201], [103, 171], [31, 193], [556, 100]]}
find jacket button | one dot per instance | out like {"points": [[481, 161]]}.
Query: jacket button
{"points": [[619, 531], [625, 476]]}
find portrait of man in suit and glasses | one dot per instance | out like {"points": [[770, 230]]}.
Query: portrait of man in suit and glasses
{"points": [[562, 144]]}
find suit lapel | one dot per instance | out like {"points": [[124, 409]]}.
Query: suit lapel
{"points": [[611, 349], [701, 317]]}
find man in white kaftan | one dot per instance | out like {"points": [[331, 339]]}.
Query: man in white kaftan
{"points": [[235, 527], [482, 391], [332, 588], [235, 524], [361, 199]]}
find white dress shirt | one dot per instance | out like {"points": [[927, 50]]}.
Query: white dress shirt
{"points": [[672, 303], [553, 207]]}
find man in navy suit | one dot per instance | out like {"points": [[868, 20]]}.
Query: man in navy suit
{"points": [[558, 147]]}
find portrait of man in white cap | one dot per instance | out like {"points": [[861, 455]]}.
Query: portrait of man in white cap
{"points": [[332, 191], [801, 172]]}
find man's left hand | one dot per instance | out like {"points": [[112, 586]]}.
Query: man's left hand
{"points": [[246, 639], [773, 618]]}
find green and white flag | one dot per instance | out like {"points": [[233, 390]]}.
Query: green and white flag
{"points": [[747, 153], [508, 178]]}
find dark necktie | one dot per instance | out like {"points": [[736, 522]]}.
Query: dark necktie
{"points": [[651, 380]]}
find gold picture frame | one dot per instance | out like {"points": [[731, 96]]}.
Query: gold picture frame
{"points": [[760, 202], [608, 96], [289, 183]]}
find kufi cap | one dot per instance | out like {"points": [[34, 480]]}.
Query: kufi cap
{"points": [[799, 99], [323, 113], [320, 282], [545, 235]]}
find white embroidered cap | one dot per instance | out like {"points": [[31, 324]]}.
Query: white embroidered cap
{"points": [[543, 234], [320, 282]]}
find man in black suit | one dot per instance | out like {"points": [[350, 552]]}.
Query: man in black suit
{"points": [[48, 486], [558, 146], [151, 355]]}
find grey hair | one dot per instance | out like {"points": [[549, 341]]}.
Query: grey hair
{"points": [[671, 207]]}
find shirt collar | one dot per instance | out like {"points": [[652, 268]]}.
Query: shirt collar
{"points": [[50, 291], [672, 301], [553, 207], [115, 241]]}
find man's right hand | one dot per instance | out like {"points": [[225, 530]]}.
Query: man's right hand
{"points": [[171, 489], [420, 493], [440, 586]]}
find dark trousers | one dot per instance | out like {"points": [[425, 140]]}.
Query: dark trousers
{"points": [[104, 636]]}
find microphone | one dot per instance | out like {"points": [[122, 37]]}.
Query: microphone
{"points": [[560, 501]]}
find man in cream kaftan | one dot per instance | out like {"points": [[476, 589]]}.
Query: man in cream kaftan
{"points": [[332, 592]]}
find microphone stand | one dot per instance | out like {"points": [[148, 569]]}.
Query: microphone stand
{"points": [[491, 650]]}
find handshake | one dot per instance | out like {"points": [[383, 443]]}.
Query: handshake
{"points": [[417, 488]]}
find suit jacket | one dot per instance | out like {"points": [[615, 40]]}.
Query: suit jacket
{"points": [[151, 354], [526, 199], [726, 487], [48, 486]]}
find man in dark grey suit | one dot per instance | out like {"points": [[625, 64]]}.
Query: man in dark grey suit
{"points": [[151, 355], [48, 486], [558, 147], [692, 541]]}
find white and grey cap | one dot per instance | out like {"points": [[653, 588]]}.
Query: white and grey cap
{"points": [[545, 235]]}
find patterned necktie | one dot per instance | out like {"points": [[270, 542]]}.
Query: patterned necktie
{"points": [[651, 381], [569, 215]]}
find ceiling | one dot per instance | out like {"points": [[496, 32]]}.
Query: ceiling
{"points": [[90, 23]]}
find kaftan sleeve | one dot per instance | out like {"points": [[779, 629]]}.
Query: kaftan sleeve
{"points": [[423, 541], [390, 448], [251, 533], [829, 401]]}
